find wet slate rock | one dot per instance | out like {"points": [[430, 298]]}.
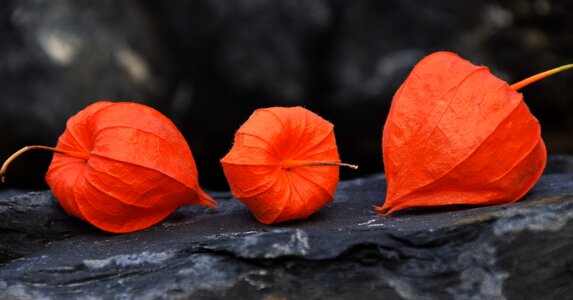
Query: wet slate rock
{"points": [[343, 252], [29, 221]]}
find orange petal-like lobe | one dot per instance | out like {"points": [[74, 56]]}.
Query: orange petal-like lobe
{"points": [[140, 168], [456, 134], [256, 174]]}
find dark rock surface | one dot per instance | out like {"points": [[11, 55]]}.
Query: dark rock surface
{"points": [[512, 251], [30, 221]]}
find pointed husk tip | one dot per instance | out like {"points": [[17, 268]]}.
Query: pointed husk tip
{"points": [[384, 211], [205, 200]]}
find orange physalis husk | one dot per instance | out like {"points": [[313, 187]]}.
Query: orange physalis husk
{"points": [[284, 164], [122, 167], [456, 134]]}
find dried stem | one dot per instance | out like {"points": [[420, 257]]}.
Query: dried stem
{"points": [[80, 155], [288, 164], [537, 77]]}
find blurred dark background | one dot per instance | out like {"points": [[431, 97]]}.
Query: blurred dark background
{"points": [[207, 64]]}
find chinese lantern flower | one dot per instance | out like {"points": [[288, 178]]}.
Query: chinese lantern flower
{"points": [[284, 164], [456, 134], [122, 167]]}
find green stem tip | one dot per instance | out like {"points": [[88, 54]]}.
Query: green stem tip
{"points": [[525, 82]]}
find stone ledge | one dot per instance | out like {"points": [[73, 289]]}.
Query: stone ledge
{"points": [[345, 251]]}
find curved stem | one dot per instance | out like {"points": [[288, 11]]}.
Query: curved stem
{"points": [[288, 164], [525, 82], [80, 155]]}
